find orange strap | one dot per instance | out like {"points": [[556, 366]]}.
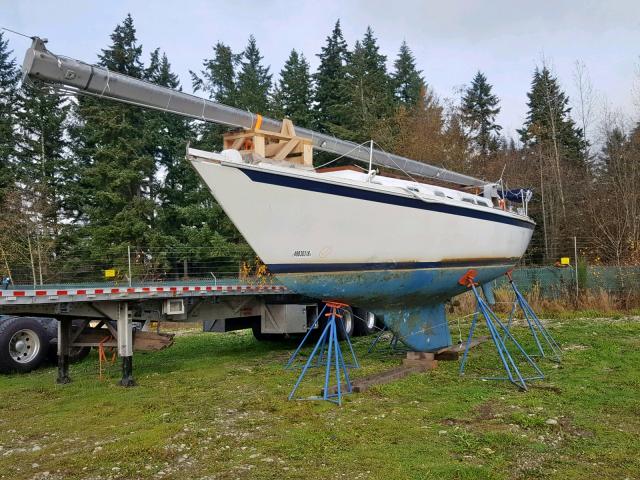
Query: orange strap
{"points": [[258, 122]]}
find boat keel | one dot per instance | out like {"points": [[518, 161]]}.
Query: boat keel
{"points": [[423, 328]]}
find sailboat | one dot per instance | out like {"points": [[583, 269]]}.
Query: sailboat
{"points": [[395, 247], [392, 246]]}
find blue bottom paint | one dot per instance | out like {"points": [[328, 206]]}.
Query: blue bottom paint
{"points": [[410, 301]]}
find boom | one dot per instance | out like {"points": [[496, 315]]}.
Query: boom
{"points": [[80, 77]]}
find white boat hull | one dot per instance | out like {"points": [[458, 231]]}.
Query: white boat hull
{"points": [[388, 252]]}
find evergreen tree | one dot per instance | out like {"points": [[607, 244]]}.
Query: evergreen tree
{"points": [[615, 147], [188, 216], [254, 80], [479, 110], [293, 96], [9, 77], [42, 168], [114, 158], [369, 88], [218, 78], [548, 120], [330, 82], [407, 81]]}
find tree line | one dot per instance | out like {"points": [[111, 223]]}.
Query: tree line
{"points": [[82, 179]]}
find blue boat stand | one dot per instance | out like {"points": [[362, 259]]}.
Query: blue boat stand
{"points": [[500, 333], [327, 352], [538, 330]]}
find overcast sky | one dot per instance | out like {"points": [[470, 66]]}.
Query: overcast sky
{"points": [[451, 40]]}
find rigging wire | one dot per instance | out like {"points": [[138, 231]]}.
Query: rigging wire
{"points": [[17, 33]]}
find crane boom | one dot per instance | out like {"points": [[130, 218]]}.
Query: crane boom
{"points": [[75, 75]]}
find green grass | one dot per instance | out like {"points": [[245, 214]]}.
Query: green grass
{"points": [[215, 406]]}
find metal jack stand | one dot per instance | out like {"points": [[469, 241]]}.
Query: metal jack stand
{"points": [[535, 325], [393, 343], [494, 324], [329, 353]]}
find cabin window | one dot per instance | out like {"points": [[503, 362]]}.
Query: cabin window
{"points": [[438, 193], [468, 200]]}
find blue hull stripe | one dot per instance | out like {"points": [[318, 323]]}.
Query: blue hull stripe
{"points": [[352, 267], [380, 197]]}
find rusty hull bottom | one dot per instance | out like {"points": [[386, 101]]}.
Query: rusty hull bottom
{"points": [[411, 302]]}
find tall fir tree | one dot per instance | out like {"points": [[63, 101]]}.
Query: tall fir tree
{"points": [[188, 216], [369, 88], [42, 167], [254, 80], [218, 76], [479, 109], [293, 96], [549, 120], [9, 78], [407, 79], [114, 155], [330, 83]]}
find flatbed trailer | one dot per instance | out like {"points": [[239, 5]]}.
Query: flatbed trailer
{"points": [[122, 317]]}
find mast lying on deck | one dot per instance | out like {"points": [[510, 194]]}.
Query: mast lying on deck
{"points": [[81, 77]]}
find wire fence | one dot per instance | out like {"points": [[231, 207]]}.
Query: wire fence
{"points": [[131, 266]]}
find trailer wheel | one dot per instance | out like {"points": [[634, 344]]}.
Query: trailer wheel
{"points": [[365, 322], [24, 344], [267, 337], [348, 321]]}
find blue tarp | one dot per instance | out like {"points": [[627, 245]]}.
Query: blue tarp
{"points": [[517, 195]]}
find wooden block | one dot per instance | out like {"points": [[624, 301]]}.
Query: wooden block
{"points": [[420, 356], [447, 356], [424, 364]]}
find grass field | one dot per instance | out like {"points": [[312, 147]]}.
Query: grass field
{"points": [[215, 406]]}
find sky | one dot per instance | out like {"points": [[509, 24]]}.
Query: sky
{"points": [[451, 40]]}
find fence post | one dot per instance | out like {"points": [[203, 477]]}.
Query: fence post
{"points": [[129, 259], [575, 256]]}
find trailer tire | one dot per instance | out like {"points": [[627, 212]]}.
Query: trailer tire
{"points": [[267, 337], [76, 354], [365, 322], [348, 320], [24, 344]]}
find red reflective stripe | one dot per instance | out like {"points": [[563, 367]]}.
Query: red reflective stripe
{"points": [[115, 290], [159, 289], [146, 289], [62, 292], [131, 290], [208, 289], [197, 289], [185, 289], [18, 294], [41, 293], [173, 289], [81, 292], [218, 288], [98, 291]]}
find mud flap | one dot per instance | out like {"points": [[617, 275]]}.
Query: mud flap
{"points": [[422, 329]]}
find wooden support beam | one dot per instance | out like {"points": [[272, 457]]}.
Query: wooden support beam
{"points": [[278, 146]]}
